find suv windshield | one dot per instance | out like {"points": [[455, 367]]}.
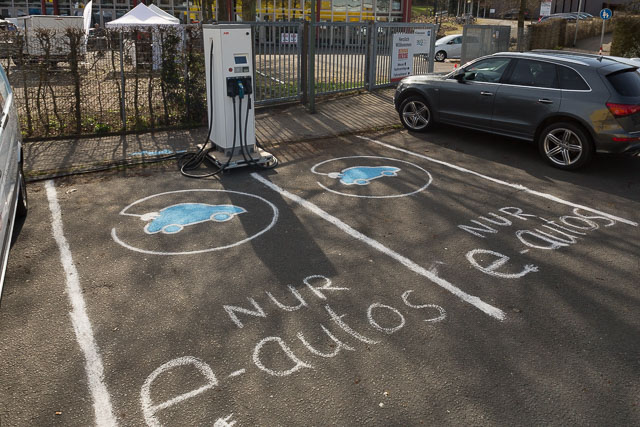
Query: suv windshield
{"points": [[626, 82]]}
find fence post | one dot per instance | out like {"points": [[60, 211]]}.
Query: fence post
{"points": [[372, 40], [304, 64], [368, 54], [123, 105], [312, 64], [432, 48]]}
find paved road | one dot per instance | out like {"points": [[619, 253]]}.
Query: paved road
{"points": [[471, 284]]}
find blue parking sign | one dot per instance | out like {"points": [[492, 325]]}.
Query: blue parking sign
{"points": [[606, 13]]}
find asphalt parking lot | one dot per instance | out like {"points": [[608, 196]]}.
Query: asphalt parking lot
{"points": [[383, 279]]}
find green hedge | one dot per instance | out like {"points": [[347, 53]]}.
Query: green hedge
{"points": [[626, 36]]}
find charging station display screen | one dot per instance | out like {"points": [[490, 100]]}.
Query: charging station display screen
{"points": [[241, 59]]}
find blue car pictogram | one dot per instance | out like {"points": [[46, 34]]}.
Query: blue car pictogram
{"points": [[173, 219], [363, 175]]}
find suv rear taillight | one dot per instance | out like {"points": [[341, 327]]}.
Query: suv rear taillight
{"points": [[623, 110]]}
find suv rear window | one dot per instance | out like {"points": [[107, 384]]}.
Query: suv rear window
{"points": [[570, 80], [626, 82]]}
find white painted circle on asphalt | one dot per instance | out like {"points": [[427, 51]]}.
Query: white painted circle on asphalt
{"points": [[120, 241], [336, 175]]}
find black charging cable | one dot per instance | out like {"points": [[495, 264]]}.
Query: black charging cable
{"points": [[241, 95], [193, 160], [253, 161]]}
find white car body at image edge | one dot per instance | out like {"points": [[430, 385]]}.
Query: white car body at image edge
{"points": [[13, 190]]}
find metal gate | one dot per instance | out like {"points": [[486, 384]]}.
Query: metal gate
{"points": [[381, 55], [481, 40], [277, 49], [340, 57]]}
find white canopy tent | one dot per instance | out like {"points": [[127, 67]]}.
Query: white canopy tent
{"points": [[143, 16], [164, 14], [150, 19]]}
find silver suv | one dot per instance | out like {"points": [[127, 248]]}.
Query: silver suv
{"points": [[13, 191], [571, 105]]}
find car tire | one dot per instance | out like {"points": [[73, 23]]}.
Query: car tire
{"points": [[22, 207], [441, 55], [565, 145], [415, 114]]}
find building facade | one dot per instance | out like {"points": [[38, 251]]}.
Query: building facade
{"points": [[189, 11]]}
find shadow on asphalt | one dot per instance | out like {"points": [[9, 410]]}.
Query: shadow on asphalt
{"points": [[614, 174], [594, 301], [17, 228], [283, 263]]}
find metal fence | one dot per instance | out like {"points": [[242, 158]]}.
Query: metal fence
{"points": [[277, 51], [133, 80], [381, 56], [340, 57]]}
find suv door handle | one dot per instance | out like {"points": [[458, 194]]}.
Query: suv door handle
{"points": [[486, 93], [545, 101]]}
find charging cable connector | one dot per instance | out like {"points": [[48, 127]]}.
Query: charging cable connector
{"points": [[240, 89]]}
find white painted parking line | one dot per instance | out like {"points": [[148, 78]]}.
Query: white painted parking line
{"points": [[501, 182], [473, 300], [80, 320]]}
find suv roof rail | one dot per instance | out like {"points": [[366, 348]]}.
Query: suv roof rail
{"points": [[546, 54]]}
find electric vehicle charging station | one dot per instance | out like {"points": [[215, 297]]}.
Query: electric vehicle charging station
{"points": [[230, 85]]}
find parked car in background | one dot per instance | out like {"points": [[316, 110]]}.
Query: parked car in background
{"points": [[13, 191], [448, 47], [571, 105], [514, 13], [631, 61], [555, 16], [451, 46], [571, 17]]}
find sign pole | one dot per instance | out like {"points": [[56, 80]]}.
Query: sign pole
{"points": [[575, 36], [605, 14], [602, 35]]}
